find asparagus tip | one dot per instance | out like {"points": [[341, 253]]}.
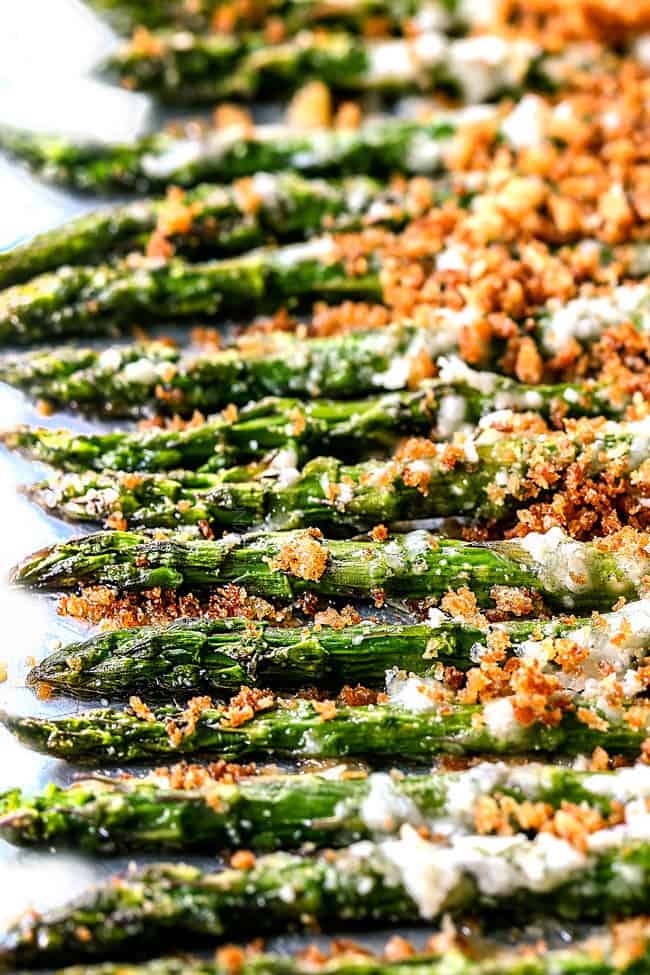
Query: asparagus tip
{"points": [[32, 733], [25, 572]]}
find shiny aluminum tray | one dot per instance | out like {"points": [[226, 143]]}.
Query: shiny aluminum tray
{"points": [[44, 49]]}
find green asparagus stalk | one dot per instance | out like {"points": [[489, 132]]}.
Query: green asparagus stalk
{"points": [[266, 813], [347, 426], [295, 15], [95, 300], [125, 379], [135, 379], [98, 299], [161, 159], [391, 881], [494, 477], [188, 69], [568, 574], [155, 161], [411, 727], [344, 427], [196, 656], [215, 656], [270, 812], [216, 221], [625, 949]]}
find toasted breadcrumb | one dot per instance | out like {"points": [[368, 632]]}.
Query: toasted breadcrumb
{"points": [[140, 709], [311, 107], [348, 616], [245, 705], [243, 860], [112, 610], [326, 709], [305, 558]]}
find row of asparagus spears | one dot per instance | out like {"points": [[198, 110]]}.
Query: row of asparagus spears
{"points": [[178, 905], [620, 949], [493, 477], [397, 879], [398, 869], [194, 69], [343, 427], [334, 811], [100, 299], [605, 953], [269, 810], [383, 733], [305, 429], [162, 159], [190, 155], [129, 379], [193, 656], [567, 574], [221, 220], [354, 15]]}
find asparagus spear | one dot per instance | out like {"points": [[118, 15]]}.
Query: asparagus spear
{"points": [[568, 574], [392, 881], [203, 655], [348, 426], [213, 655], [217, 221], [345, 427], [134, 379], [297, 729], [625, 949], [294, 14], [104, 816], [95, 299], [161, 159], [193, 656], [273, 811], [494, 476], [123, 381], [98, 299], [187, 69]]}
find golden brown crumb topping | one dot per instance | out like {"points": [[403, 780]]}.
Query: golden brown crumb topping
{"points": [[311, 107], [188, 777], [112, 610], [304, 557], [505, 816], [245, 705], [338, 620]]}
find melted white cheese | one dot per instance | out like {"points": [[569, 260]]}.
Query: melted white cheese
{"points": [[452, 369], [585, 318], [498, 865], [179, 154], [609, 642], [500, 720], [451, 415], [487, 64], [141, 371], [524, 126], [385, 808], [410, 692]]}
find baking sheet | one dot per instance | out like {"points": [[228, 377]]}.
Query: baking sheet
{"points": [[45, 48]]}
